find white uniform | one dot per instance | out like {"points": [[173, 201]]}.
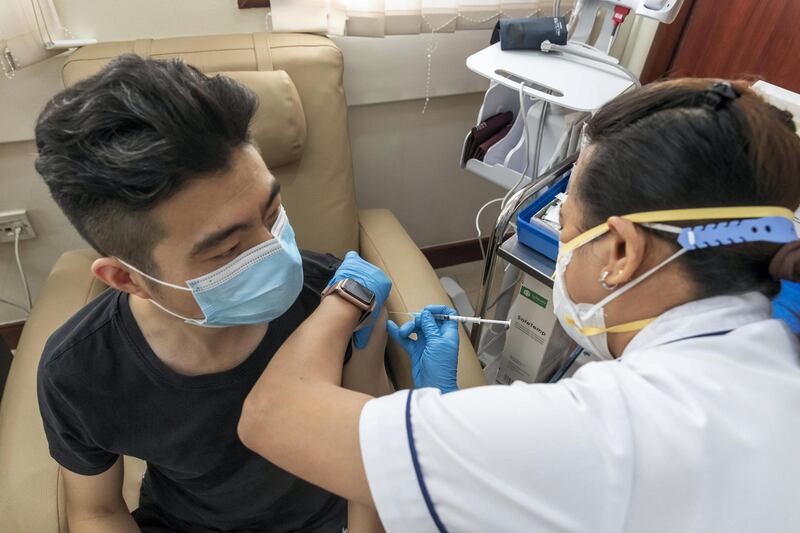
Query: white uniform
{"points": [[696, 428]]}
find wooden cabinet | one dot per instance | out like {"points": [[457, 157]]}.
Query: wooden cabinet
{"points": [[730, 39]]}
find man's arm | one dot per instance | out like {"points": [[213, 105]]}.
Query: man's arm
{"points": [[299, 417], [95, 503], [366, 372]]}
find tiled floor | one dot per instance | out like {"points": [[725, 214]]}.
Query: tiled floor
{"points": [[468, 275]]}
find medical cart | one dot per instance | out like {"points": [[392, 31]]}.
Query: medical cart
{"points": [[550, 93]]}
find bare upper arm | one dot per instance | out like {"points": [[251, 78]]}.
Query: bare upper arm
{"points": [[366, 370], [93, 496]]}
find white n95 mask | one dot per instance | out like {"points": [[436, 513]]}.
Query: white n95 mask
{"points": [[255, 288], [586, 323]]}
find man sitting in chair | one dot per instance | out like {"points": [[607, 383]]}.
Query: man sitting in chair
{"points": [[152, 163]]}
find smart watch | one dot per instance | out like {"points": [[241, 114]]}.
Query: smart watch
{"points": [[356, 294]]}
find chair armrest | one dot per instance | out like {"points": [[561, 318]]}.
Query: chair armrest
{"points": [[30, 499], [31, 482], [386, 244]]}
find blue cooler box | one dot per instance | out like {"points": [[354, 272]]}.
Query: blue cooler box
{"points": [[542, 240]]}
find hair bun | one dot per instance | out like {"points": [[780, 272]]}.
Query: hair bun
{"points": [[786, 263]]}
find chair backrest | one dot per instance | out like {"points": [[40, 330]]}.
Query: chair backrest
{"points": [[301, 125]]}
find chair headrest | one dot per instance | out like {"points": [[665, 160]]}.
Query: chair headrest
{"points": [[279, 126]]}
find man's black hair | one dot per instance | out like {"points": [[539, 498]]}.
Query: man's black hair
{"points": [[114, 146]]}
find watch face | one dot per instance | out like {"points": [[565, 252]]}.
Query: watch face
{"points": [[359, 292]]}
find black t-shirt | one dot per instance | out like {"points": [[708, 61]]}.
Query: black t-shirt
{"points": [[104, 393]]}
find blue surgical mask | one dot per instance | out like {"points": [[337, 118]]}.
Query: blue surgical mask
{"points": [[255, 288]]}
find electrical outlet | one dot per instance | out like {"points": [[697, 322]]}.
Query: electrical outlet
{"points": [[10, 220]]}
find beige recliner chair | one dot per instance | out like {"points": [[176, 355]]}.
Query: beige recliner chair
{"points": [[301, 129]]}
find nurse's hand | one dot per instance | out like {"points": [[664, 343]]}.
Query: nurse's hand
{"points": [[434, 355], [371, 277]]}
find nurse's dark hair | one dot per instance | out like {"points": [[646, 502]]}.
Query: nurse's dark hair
{"points": [[677, 144], [115, 145]]}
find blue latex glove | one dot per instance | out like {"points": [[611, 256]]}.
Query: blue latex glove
{"points": [[786, 305], [371, 277], [434, 355]]}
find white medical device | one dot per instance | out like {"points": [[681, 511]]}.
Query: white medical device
{"points": [[586, 13], [661, 10]]}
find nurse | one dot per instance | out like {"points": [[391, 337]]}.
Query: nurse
{"points": [[690, 425]]}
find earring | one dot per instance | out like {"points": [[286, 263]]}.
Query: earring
{"points": [[605, 285]]}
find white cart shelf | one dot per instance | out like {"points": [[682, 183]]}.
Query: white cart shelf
{"points": [[575, 83], [497, 174]]}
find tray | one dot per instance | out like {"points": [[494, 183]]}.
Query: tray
{"points": [[534, 236]]}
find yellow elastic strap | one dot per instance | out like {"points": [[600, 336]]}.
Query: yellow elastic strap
{"points": [[678, 215], [620, 328]]}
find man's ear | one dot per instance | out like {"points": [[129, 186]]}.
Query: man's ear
{"points": [[627, 250], [113, 273]]}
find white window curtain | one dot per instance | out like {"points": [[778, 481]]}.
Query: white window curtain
{"points": [[27, 29], [376, 18]]}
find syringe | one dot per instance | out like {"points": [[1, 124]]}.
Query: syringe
{"points": [[462, 319]]}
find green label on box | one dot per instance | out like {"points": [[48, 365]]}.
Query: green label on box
{"points": [[536, 298]]}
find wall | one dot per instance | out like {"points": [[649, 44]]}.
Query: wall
{"points": [[402, 159], [23, 188], [419, 177]]}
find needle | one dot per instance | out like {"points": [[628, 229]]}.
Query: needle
{"points": [[463, 319]]}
